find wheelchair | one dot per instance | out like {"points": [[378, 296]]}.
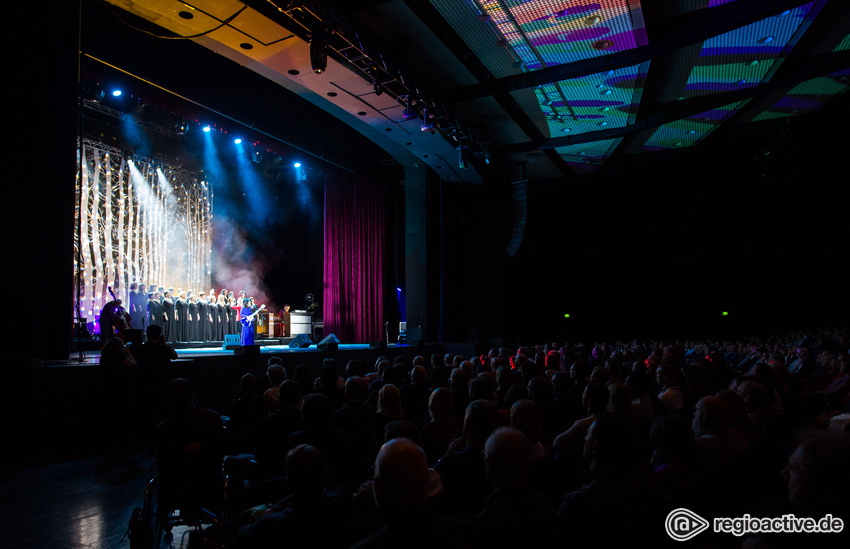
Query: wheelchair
{"points": [[154, 522]]}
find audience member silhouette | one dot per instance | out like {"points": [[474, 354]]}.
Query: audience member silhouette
{"points": [[436, 435], [465, 481], [515, 515], [116, 400], [401, 490], [248, 408], [188, 453], [154, 360], [312, 515]]}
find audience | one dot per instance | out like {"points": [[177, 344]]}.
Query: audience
{"points": [[616, 449]]}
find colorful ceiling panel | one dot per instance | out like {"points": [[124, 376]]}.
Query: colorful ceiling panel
{"points": [[689, 131], [593, 102], [747, 56]]}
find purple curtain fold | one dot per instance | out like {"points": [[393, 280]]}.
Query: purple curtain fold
{"points": [[353, 258]]}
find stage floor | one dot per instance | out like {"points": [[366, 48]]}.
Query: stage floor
{"points": [[198, 350]]}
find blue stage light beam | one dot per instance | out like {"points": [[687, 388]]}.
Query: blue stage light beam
{"points": [[252, 186]]}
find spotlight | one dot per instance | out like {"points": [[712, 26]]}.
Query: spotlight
{"points": [[318, 53], [256, 153], [461, 157], [93, 92], [237, 141], [116, 93], [297, 164], [409, 113], [427, 125], [180, 126], [207, 129]]}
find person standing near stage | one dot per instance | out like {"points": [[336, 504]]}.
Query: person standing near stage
{"points": [[246, 317], [134, 306], [153, 359], [110, 316], [142, 305], [283, 330]]}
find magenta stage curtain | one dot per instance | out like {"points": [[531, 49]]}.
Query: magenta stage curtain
{"points": [[353, 260]]}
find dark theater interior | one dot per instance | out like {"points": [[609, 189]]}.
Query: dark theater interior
{"points": [[611, 232]]}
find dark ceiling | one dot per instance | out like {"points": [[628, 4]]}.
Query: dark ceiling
{"points": [[542, 90]]}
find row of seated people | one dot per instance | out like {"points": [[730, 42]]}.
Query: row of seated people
{"points": [[596, 452]]}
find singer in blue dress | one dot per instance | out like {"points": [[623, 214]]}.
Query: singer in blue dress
{"points": [[247, 320]]}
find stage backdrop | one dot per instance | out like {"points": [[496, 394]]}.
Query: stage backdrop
{"points": [[137, 221], [354, 257]]}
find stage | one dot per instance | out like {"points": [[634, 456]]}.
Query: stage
{"points": [[60, 400], [197, 350]]}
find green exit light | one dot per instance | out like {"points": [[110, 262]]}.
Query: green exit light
{"points": [[566, 315], [724, 313]]}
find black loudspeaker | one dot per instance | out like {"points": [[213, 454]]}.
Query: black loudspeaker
{"points": [[378, 345], [134, 337], [301, 341], [231, 342], [329, 343]]}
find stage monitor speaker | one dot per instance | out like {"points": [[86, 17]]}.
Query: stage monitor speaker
{"points": [[378, 345], [231, 342], [134, 337], [329, 343], [301, 341]]}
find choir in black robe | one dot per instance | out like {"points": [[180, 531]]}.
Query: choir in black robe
{"points": [[222, 322], [154, 312], [204, 322], [182, 319], [193, 321], [235, 326], [214, 323], [226, 312], [169, 326]]}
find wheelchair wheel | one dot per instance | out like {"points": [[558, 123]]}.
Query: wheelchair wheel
{"points": [[144, 522]]}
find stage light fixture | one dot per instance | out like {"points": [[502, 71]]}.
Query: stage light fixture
{"points": [[238, 140], [180, 126], [461, 157], [207, 129], [409, 113], [318, 52], [93, 92], [297, 164], [427, 124], [116, 93]]}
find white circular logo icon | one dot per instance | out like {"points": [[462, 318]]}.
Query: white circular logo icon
{"points": [[683, 524]]}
